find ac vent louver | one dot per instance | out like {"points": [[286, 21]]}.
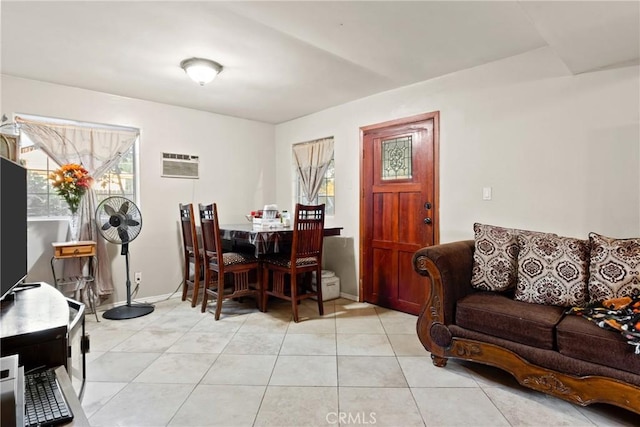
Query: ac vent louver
{"points": [[180, 166]]}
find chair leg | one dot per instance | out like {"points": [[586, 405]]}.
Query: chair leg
{"points": [[259, 285], [185, 283], [205, 298], [220, 296], [196, 283], [319, 291], [265, 287], [294, 296]]}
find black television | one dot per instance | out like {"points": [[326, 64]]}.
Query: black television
{"points": [[13, 226]]}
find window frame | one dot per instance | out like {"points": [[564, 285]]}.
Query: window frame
{"points": [[55, 204], [300, 198]]}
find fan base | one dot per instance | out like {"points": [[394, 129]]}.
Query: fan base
{"points": [[127, 312]]}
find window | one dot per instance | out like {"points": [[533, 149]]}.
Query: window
{"points": [[42, 199], [326, 194], [396, 158]]}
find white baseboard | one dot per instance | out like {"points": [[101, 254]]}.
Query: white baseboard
{"points": [[145, 300], [159, 298], [348, 296]]}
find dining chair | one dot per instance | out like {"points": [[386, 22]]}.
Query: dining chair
{"points": [[218, 264], [305, 257], [192, 254]]}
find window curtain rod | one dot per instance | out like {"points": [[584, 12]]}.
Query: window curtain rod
{"points": [[19, 117], [313, 141]]}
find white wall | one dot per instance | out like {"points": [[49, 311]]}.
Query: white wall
{"points": [[561, 152], [236, 171]]}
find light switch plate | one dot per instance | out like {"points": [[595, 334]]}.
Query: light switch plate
{"points": [[486, 193]]}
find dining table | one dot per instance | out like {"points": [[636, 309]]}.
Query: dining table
{"points": [[262, 240]]}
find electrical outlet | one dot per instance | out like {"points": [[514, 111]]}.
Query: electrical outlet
{"points": [[137, 277]]}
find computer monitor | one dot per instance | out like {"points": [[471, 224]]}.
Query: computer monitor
{"points": [[13, 226]]}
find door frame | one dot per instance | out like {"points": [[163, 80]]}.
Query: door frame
{"points": [[435, 115]]}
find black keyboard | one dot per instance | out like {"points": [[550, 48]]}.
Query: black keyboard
{"points": [[43, 400]]}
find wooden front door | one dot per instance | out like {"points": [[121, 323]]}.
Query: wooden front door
{"points": [[399, 209]]}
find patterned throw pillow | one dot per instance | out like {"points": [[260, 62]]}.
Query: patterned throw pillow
{"points": [[552, 270], [495, 259], [614, 268]]}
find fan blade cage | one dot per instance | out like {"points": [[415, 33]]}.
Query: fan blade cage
{"points": [[120, 219]]}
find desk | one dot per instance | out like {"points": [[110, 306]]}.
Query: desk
{"points": [[45, 329], [79, 417], [264, 241], [70, 250], [34, 324]]}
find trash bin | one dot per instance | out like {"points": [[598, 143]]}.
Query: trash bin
{"points": [[330, 285]]}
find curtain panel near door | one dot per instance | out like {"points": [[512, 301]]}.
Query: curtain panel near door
{"points": [[312, 160], [97, 148]]}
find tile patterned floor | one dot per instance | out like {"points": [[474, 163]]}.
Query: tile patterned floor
{"points": [[357, 365]]}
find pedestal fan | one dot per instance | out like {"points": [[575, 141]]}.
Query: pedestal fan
{"points": [[119, 222]]}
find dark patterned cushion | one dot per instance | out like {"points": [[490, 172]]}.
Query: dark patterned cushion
{"points": [[286, 261], [614, 268], [552, 270], [233, 258]]}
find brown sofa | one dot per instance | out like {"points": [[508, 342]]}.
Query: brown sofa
{"points": [[545, 349]]}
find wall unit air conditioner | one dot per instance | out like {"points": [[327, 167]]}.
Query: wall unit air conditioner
{"points": [[180, 165]]}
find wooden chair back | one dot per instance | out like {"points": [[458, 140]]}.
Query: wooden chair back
{"points": [[189, 235], [211, 240], [308, 233], [192, 252]]}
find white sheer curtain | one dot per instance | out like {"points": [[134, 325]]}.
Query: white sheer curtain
{"points": [[312, 160], [96, 147]]}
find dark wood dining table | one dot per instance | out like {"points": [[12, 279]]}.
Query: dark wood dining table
{"points": [[247, 237]]}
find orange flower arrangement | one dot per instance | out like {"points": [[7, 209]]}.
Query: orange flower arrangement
{"points": [[71, 181]]}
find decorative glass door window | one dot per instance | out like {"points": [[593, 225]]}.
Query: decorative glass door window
{"points": [[396, 158]]}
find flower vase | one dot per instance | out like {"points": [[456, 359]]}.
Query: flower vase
{"points": [[74, 226]]}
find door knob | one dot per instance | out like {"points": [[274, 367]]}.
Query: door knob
{"points": [[427, 220]]}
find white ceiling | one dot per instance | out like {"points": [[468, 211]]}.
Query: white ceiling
{"points": [[284, 60]]}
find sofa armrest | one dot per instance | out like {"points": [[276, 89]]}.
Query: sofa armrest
{"points": [[448, 266]]}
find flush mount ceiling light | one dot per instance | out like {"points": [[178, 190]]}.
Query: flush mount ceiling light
{"points": [[201, 70]]}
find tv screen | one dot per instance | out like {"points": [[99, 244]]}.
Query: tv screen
{"points": [[13, 225]]}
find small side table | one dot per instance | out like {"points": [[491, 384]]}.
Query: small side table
{"points": [[76, 249]]}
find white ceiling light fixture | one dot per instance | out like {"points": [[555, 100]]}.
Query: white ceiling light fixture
{"points": [[201, 70]]}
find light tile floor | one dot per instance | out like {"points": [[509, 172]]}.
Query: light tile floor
{"points": [[357, 365]]}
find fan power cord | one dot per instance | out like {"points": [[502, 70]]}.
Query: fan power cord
{"points": [[174, 292]]}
